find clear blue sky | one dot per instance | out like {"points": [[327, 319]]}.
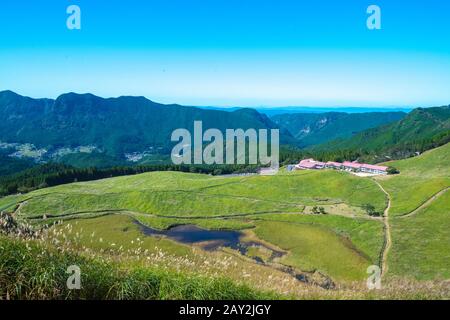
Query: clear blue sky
{"points": [[231, 52]]}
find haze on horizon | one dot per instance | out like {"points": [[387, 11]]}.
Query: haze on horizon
{"points": [[231, 53]]}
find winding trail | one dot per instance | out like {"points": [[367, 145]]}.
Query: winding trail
{"points": [[387, 228], [426, 203], [16, 212], [387, 233], [187, 217]]}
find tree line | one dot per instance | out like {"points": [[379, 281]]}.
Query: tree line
{"points": [[291, 155], [53, 174]]}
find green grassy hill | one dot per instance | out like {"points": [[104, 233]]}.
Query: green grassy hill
{"points": [[162, 199], [421, 243], [192, 195], [100, 216], [419, 179], [420, 216]]}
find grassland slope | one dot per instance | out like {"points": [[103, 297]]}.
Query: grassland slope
{"points": [[174, 194], [420, 178], [420, 216]]}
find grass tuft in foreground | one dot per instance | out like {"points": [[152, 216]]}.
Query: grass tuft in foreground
{"points": [[29, 270]]}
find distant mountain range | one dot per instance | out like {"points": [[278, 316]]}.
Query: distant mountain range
{"points": [[84, 129], [316, 128], [273, 111]]}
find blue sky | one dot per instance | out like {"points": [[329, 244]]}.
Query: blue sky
{"points": [[231, 52]]}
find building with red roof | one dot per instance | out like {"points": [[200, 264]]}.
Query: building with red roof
{"points": [[333, 165], [370, 168], [354, 166], [310, 164], [351, 166]]}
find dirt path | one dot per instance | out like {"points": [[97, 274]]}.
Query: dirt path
{"points": [[387, 233], [19, 207], [387, 228], [426, 203]]}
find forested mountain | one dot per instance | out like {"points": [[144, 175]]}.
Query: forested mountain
{"points": [[316, 128], [115, 126], [420, 130], [10, 165]]}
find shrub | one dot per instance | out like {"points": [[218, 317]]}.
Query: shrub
{"points": [[392, 170], [371, 211]]}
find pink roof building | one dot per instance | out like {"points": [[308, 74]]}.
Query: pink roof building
{"points": [[347, 165], [352, 165], [334, 164], [374, 168], [310, 164]]}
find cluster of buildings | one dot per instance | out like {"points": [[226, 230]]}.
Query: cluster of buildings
{"points": [[354, 166]]}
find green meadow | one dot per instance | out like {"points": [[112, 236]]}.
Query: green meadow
{"points": [[315, 248], [312, 243], [119, 237], [420, 178], [420, 216], [174, 194], [254, 203], [101, 218], [421, 243], [362, 236]]}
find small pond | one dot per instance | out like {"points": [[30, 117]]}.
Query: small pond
{"points": [[210, 240]]}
